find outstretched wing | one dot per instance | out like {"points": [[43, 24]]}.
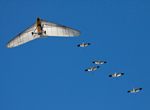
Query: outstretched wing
{"points": [[79, 45], [96, 62], [138, 89], [53, 29], [102, 62], [130, 91], [119, 74], [112, 75], [96, 67], [87, 44], [89, 69], [23, 37]]}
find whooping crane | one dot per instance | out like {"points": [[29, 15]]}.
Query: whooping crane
{"points": [[83, 45], [116, 74], [99, 62], [92, 68], [134, 90]]}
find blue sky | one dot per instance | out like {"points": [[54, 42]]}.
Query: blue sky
{"points": [[49, 73]]}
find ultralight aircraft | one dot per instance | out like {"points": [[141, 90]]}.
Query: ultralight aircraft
{"points": [[40, 29]]}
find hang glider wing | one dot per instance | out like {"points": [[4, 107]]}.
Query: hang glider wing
{"points": [[53, 29], [23, 37]]}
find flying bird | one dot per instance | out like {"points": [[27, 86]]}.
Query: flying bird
{"points": [[99, 62], [83, 45], [92, 68], [116, 74], [41, 29], [134, 90]]}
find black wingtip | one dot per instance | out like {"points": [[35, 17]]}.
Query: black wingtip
{"points": [[122, 73], [128, 91], [86, 70], [78, 45], [89, 44], [105, 62], [93, 62], [140, 88], [110, 75], [98, 66]]}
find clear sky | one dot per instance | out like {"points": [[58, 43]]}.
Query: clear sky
{"points": [[49, 73]]}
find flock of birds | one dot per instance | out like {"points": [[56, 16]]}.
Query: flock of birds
{"points": [[102, 62]]}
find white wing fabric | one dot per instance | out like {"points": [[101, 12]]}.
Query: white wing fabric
{"points": [[52, 29], [23, 37]]}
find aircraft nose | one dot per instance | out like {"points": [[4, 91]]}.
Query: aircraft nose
{"points": [[38, 18]]}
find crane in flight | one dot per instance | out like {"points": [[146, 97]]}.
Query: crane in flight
{"points": [[99, 62], [116, 74], [83, 45], [92, 68], [134, 90]]}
